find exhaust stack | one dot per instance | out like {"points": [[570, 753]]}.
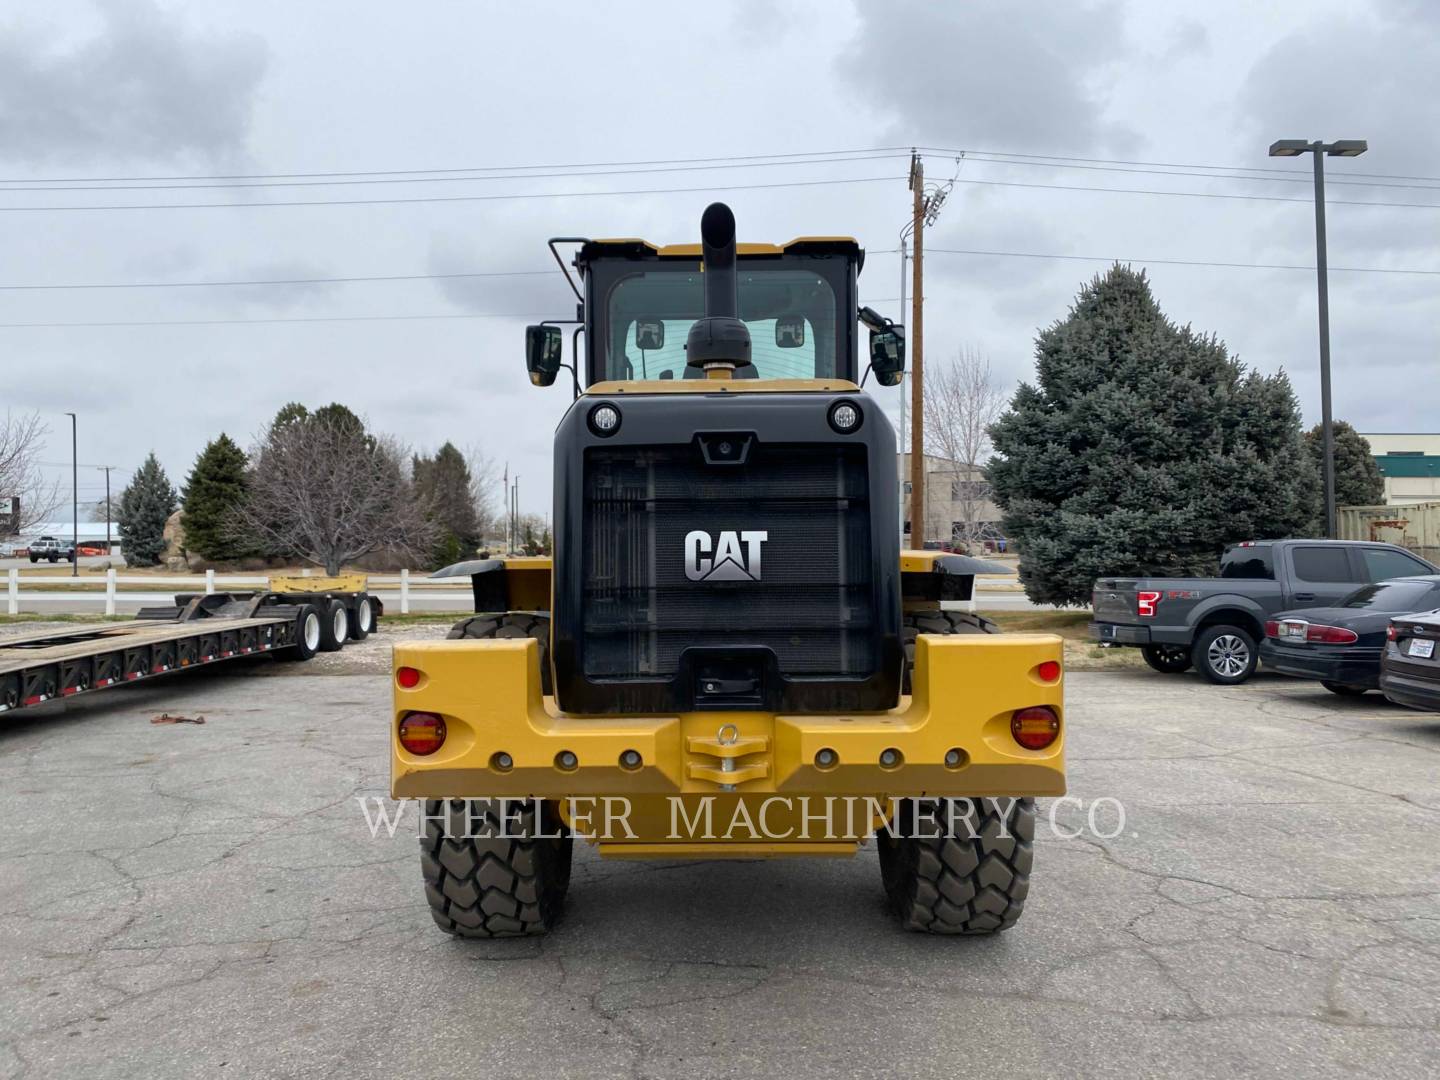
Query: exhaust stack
{"points": [[719, 342]]}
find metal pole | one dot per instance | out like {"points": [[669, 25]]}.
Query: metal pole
{"points": [[107, 469], [917, 366], [1327, 431], [74, 497], [904, 254]]}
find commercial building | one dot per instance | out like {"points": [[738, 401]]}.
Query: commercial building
{"points": [[1410, 463], [959, 511]]}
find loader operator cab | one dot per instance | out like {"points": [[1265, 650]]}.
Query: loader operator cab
{"points": [[639, 302]]}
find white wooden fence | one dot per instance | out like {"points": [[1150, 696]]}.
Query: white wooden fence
{"points": [[402, 588]]}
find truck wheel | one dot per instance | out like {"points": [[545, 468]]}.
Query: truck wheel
{"points": [[1343, 690], [481, 884], [1225, 654], [512, 624], [308, 632], [362, 619], [54, 559], [34, 558], [962, 867], [1170, 659], [938, 622], [334, 626]]}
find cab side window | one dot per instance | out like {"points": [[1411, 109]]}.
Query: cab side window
{"points": [[1382, 564], [1322, 564]]}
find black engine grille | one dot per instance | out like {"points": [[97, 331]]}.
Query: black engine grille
{"points": [[813, 606]]}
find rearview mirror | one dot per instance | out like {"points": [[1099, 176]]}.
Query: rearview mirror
{"points": [[649, 334], [887, 355], [790, 331], [544, 350]]}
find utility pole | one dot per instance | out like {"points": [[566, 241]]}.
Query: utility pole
{"points": [[904, 255], [917, 355], [106, 470]]}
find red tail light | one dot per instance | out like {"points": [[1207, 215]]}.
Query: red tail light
{"points": [[1391, 633], [1048, 670], [1035, 728], [1331, 635], [407, 677], [1272, 628], [422, 733], [1145, 603]]}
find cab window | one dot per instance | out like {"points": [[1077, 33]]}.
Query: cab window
{"points": [[1322, 564], [1382, 564]]}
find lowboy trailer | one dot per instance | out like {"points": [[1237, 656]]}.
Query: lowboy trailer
{"points": [[294, 619]]}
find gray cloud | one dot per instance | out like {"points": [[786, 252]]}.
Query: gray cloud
{"points": [[144, 88], [989, 76]]}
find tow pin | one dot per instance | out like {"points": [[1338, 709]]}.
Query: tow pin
{"points": [[728, 735]]}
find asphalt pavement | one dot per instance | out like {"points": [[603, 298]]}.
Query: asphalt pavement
{"points": [[206, 899]]}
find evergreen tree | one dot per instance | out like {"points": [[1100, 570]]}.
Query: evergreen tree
{"points": [[144, 507], [214, 492], [1143, 448], [444, 485], [1358, 481]]}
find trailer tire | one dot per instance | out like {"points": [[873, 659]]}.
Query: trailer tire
{"points": [[1167, 659], [512, 624], [1225, 655], [970, 878], [307, 634], [938, 622], [334, 626], [362, 619], [484, 885]]}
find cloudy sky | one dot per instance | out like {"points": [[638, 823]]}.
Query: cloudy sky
{"points": [[1100, 95]]}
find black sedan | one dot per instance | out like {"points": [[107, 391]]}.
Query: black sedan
{"points": [[1341, 646], [1410, 667]]}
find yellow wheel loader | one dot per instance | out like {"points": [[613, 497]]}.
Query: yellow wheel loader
{"points": [[729, 655]]}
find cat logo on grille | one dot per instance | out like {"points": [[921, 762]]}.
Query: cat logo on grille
{"points": [[733, 556]]}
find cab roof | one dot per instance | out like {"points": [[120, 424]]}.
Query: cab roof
{"points": [[634, 248]]}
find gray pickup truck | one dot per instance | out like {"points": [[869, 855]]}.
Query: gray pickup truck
{"points": [[1217, 623]]}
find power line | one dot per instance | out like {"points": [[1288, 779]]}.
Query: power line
{"points": [[1179, 262], [302, 319], [459, 198], [471, 169], [1175, 171], [1182, 194], [949, 151], [284, 281], [454, 179]]}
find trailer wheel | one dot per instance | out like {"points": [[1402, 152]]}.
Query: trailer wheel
{"points": [[938, 622], [482, 884], [334, 626], [960, 866], [1168, 659], [362, 619], [1225, 655], [308, 632], [512, 624]]}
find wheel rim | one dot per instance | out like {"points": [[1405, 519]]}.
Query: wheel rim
{"points": [[362, 616], [312, 631], [1228, 655], [340, 624]]}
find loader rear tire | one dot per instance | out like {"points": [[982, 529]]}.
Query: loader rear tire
{"points": [[971, 876], [512, 624], [481, 884], [938, 622]]}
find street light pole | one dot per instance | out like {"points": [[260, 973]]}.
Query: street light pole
{"points": [[74, 497], [106, 470], [1319, 150]]}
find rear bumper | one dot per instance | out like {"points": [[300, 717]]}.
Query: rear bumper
{"points": [[1119, 634], [965, 692], [1308, 662], [1416, 693]]}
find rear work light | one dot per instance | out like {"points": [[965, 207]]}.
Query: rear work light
{"points": [[1331, 635], [1145, 603], [1035, 728], [422, 733]]}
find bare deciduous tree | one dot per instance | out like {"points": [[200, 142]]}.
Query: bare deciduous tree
{"points": [[962, 400], [327, 491], [22, 438]]}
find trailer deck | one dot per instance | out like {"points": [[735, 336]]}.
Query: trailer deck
{"points": [[198, 630]]}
